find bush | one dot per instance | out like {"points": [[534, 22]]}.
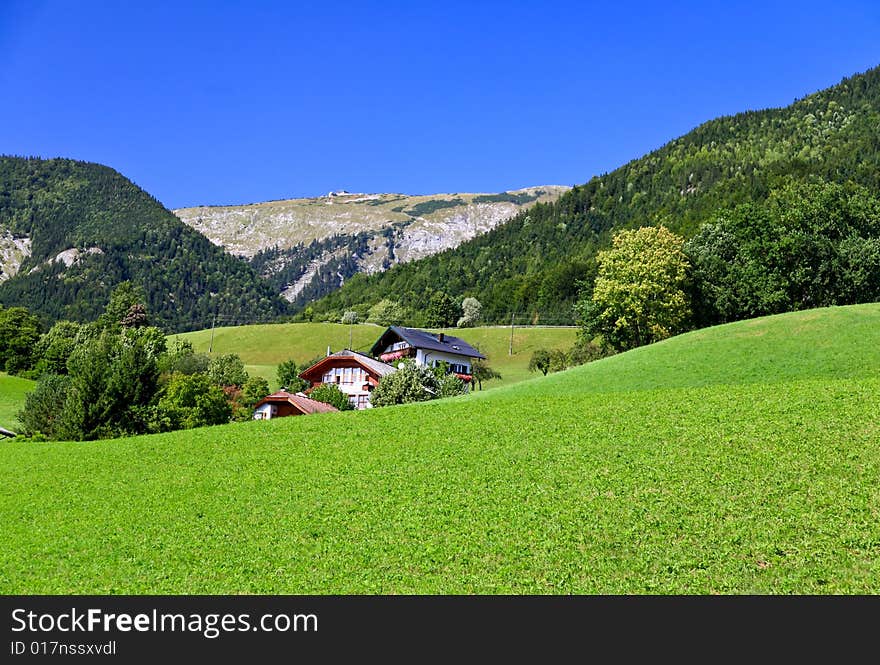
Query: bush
{"points": [[43, 406], [412, 383], [181, 358], [332, 395], [540, 361], [586, 352], [189, 401]]}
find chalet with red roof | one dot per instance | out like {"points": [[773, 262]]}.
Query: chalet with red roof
{"points": [[355, 374]]}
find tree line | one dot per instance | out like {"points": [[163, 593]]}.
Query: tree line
{"points": [[118, 376], [813, 244]]}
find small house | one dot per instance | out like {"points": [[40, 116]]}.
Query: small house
{"points": [[283, 403]]}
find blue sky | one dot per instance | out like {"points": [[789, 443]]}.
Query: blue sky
{"points": [[213, 103]]}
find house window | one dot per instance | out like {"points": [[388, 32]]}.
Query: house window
{"points": [[362, 401]]}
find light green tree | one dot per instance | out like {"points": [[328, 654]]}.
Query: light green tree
{"points": [[387, 313], [640, 294]]}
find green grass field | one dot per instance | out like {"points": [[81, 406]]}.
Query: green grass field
{"points": [[12, 392], [262, 347], [739, 459]]}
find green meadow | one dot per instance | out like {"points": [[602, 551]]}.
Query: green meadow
{"points": [[12, 392], [738, 459], [262, 347]]}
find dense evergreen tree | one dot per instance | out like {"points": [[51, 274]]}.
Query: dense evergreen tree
{"points": [[19, 333]]}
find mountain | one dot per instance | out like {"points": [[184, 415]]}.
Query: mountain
{"points": [[70, 231], [533, 263], [307, 247]]}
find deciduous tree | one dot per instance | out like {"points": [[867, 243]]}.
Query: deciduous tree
{"points": [[639, 295]]}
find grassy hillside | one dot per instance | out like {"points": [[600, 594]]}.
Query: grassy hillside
{"points": [[70, 231], [12, 392], [262, 347], [739, 459], [533, 262]]}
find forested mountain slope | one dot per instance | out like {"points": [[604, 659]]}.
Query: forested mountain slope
{"points": [[532, 263], [70, 231]]}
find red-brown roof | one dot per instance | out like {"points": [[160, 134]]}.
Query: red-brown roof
{"points": [[374, 367], [306, 405]]}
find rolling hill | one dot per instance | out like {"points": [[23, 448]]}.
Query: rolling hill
{"points": [[743, 458], [308, 247], [533, 263], [262, 347], [71, 231]]}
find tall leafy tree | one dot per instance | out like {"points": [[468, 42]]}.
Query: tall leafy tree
{"points": [[640, 294], [288, 376], [442, 311], [227, 370], [189, 401]]}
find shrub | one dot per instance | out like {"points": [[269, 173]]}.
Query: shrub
{"points": [[332, 395], [412, 383], [43, 406], [189, 401]]}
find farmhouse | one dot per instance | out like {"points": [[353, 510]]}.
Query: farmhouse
{"points": [[356, 374], [427, 349], [283, 403]]}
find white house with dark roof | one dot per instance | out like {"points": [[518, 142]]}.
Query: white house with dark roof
{"points": [[427, 349]]}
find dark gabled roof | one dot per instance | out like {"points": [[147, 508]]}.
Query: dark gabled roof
{"points": [[422, 339], [376, 366]]}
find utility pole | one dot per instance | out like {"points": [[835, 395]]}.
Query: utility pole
{"points": [[213, 321], [350, 326], [510, 347]]}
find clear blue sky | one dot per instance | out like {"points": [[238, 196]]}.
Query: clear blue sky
{"points": [[212, 103]]}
